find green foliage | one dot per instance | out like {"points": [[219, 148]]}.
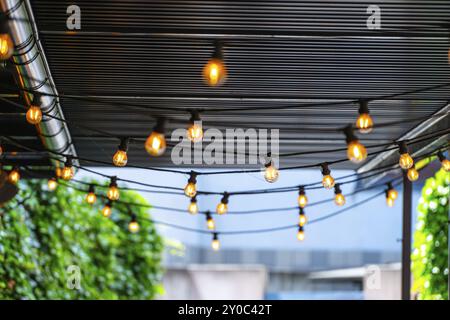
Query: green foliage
{"points": [[50, 231], [430, 255]]}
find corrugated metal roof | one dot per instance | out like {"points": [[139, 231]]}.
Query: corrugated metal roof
{"points": [[277, 53]]}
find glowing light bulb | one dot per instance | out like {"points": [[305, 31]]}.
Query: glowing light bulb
{"points": [[327, 180], [210, 224], [14, 176], [302, 220], [364, 122], [389, 202], [301, 234], [191, 189], [193, 206], [107, 210], [271, 173], [444, 161], [356, 152], [156, 142], [34, 115], [68, 171], [215, 244], [405, 160], [215, 72], [113, 192], [222, 207], [120, 158], [195, 129], [413, 174], [91, 197], [133, 226], [339, 198], [302, 198], [6, 46], [58, 172], [391, 192], [52, 184]]}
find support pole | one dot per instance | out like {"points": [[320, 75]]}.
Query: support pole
{"points": [[406, 238]]}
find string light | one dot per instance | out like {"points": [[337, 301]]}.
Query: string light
{"points": [[301, 233], [193, 206], [14, 176], [52, 184], [271, 173], [356, 152], [364, 122], [391, 192], [58, 172], [302, 198], [215, 71], [195, 130], [215, 244], [113, 193], [156, 142], [191, 189], [444, 161], [222, 207], [68, 171], [412, 174], [302, 220], [327, 180], [120, 158], [210, 224], [405, 160], [133, 226], [339, 198], [34, 113], [107, 209], [389, 200], [91, 197]]}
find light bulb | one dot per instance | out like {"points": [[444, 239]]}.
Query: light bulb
{"points": [[271, 173], [107, 210], [389, 202], [405, 160], [193, 206], [133, 226], [356, 152], [393, 194], [364, 122], [14, 176], [444, 161], [1, 150], [156, 142], [6, 46], [190, 189], [328, 181], [113, 192], [52, 184], [67, 173], [215, 72], [34, 115], [91, 197], [339, 199], [195, 129], [210, 221], [413, 174], [222, 207], [302, 220], [302, 198], [215, 244], [120, 158], [301, 234]]}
